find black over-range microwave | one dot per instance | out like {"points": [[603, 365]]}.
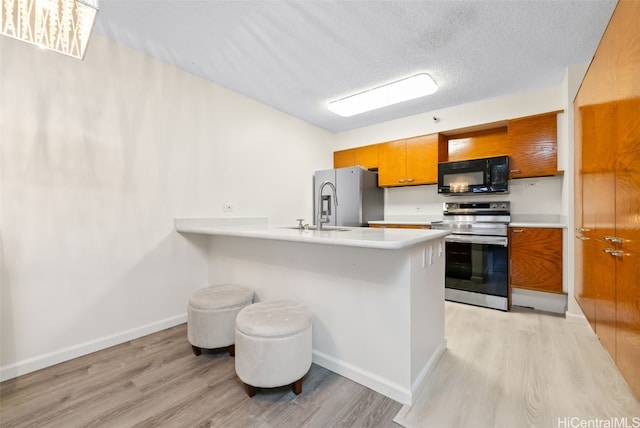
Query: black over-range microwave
{"points": [[487, 175]]}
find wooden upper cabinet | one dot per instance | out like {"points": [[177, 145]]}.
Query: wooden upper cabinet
{"points": [[535, 255], [392, 169], [344, 158], [422, 159], [408, 162], [533, 146], [530, 142], [366, 157], [477, 144]]}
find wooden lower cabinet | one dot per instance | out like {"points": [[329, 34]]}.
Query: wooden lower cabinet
{"points": [[535, 258]]}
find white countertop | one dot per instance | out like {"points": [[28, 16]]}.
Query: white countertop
{"points": [[365, 237], [538, 220], [538, 224]]}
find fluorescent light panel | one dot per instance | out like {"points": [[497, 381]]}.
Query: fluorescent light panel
{"points": [[63, 26], [392, 93]]}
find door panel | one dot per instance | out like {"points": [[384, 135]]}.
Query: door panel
{"points": [[392, 170], [628, 228], [422, 159], [603, 277]]}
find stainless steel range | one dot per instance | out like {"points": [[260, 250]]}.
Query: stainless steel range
{"points": [[477, 255]]}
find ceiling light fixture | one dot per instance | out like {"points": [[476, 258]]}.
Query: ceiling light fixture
{"points": [[392, 93], [63, 26]]}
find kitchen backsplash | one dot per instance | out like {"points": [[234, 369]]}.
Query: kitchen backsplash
{"points": [[540, 197]]}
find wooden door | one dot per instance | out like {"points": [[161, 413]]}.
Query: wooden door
{"points": [[581, 282], [344, 158], [628, 229], [533, 146], [422, 159], [392, 168], [366, 156], [609, 98], [602, 272], [535, 256], [485, 143]]}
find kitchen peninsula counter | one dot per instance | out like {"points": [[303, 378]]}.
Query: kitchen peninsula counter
{"points": [[364, 237], [377, 295]]}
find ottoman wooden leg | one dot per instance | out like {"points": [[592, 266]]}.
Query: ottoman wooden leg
{"points": [[297, 386], [196, 351], [251, 390], [232, 350]]}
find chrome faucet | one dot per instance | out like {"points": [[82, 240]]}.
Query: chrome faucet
{"points": [[325, 218]]}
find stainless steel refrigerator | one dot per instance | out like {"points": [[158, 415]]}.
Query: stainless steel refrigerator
{"points": [[360, 200]]}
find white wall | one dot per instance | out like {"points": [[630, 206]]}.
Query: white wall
{"points": [[457, 117], [535, 196], [97, 158]]}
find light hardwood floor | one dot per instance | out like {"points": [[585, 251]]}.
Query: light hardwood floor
{"points": [[156, 381], [520, 369], [517, 369]]}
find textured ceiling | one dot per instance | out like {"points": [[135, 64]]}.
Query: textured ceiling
{"points": [[296, 56]]}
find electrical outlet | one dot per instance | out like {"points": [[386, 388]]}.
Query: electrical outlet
{"points": [[228, 207], [530, 184]]}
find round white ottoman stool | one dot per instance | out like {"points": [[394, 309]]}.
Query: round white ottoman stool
{"points": [[211, 316], [273, 345]]}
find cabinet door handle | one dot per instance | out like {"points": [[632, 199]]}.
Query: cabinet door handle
{"points": [[515, 171], [613, 239], [517, 230], [614, 253], [401, 180], [582, 238], [582, 229], [410, 180]]}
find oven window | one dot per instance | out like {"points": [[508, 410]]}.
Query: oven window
{"points": [[480, 268]]}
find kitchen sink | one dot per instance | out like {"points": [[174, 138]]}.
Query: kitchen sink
{"points": [[327, 228]]}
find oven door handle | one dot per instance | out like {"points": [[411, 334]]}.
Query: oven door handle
{"points": [[478, 239]]}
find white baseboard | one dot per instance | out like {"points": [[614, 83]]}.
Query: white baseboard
{"points": [[363, 377], [577, 318], [379, 384], [421, 381], [548, 302], [52, 358]]}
